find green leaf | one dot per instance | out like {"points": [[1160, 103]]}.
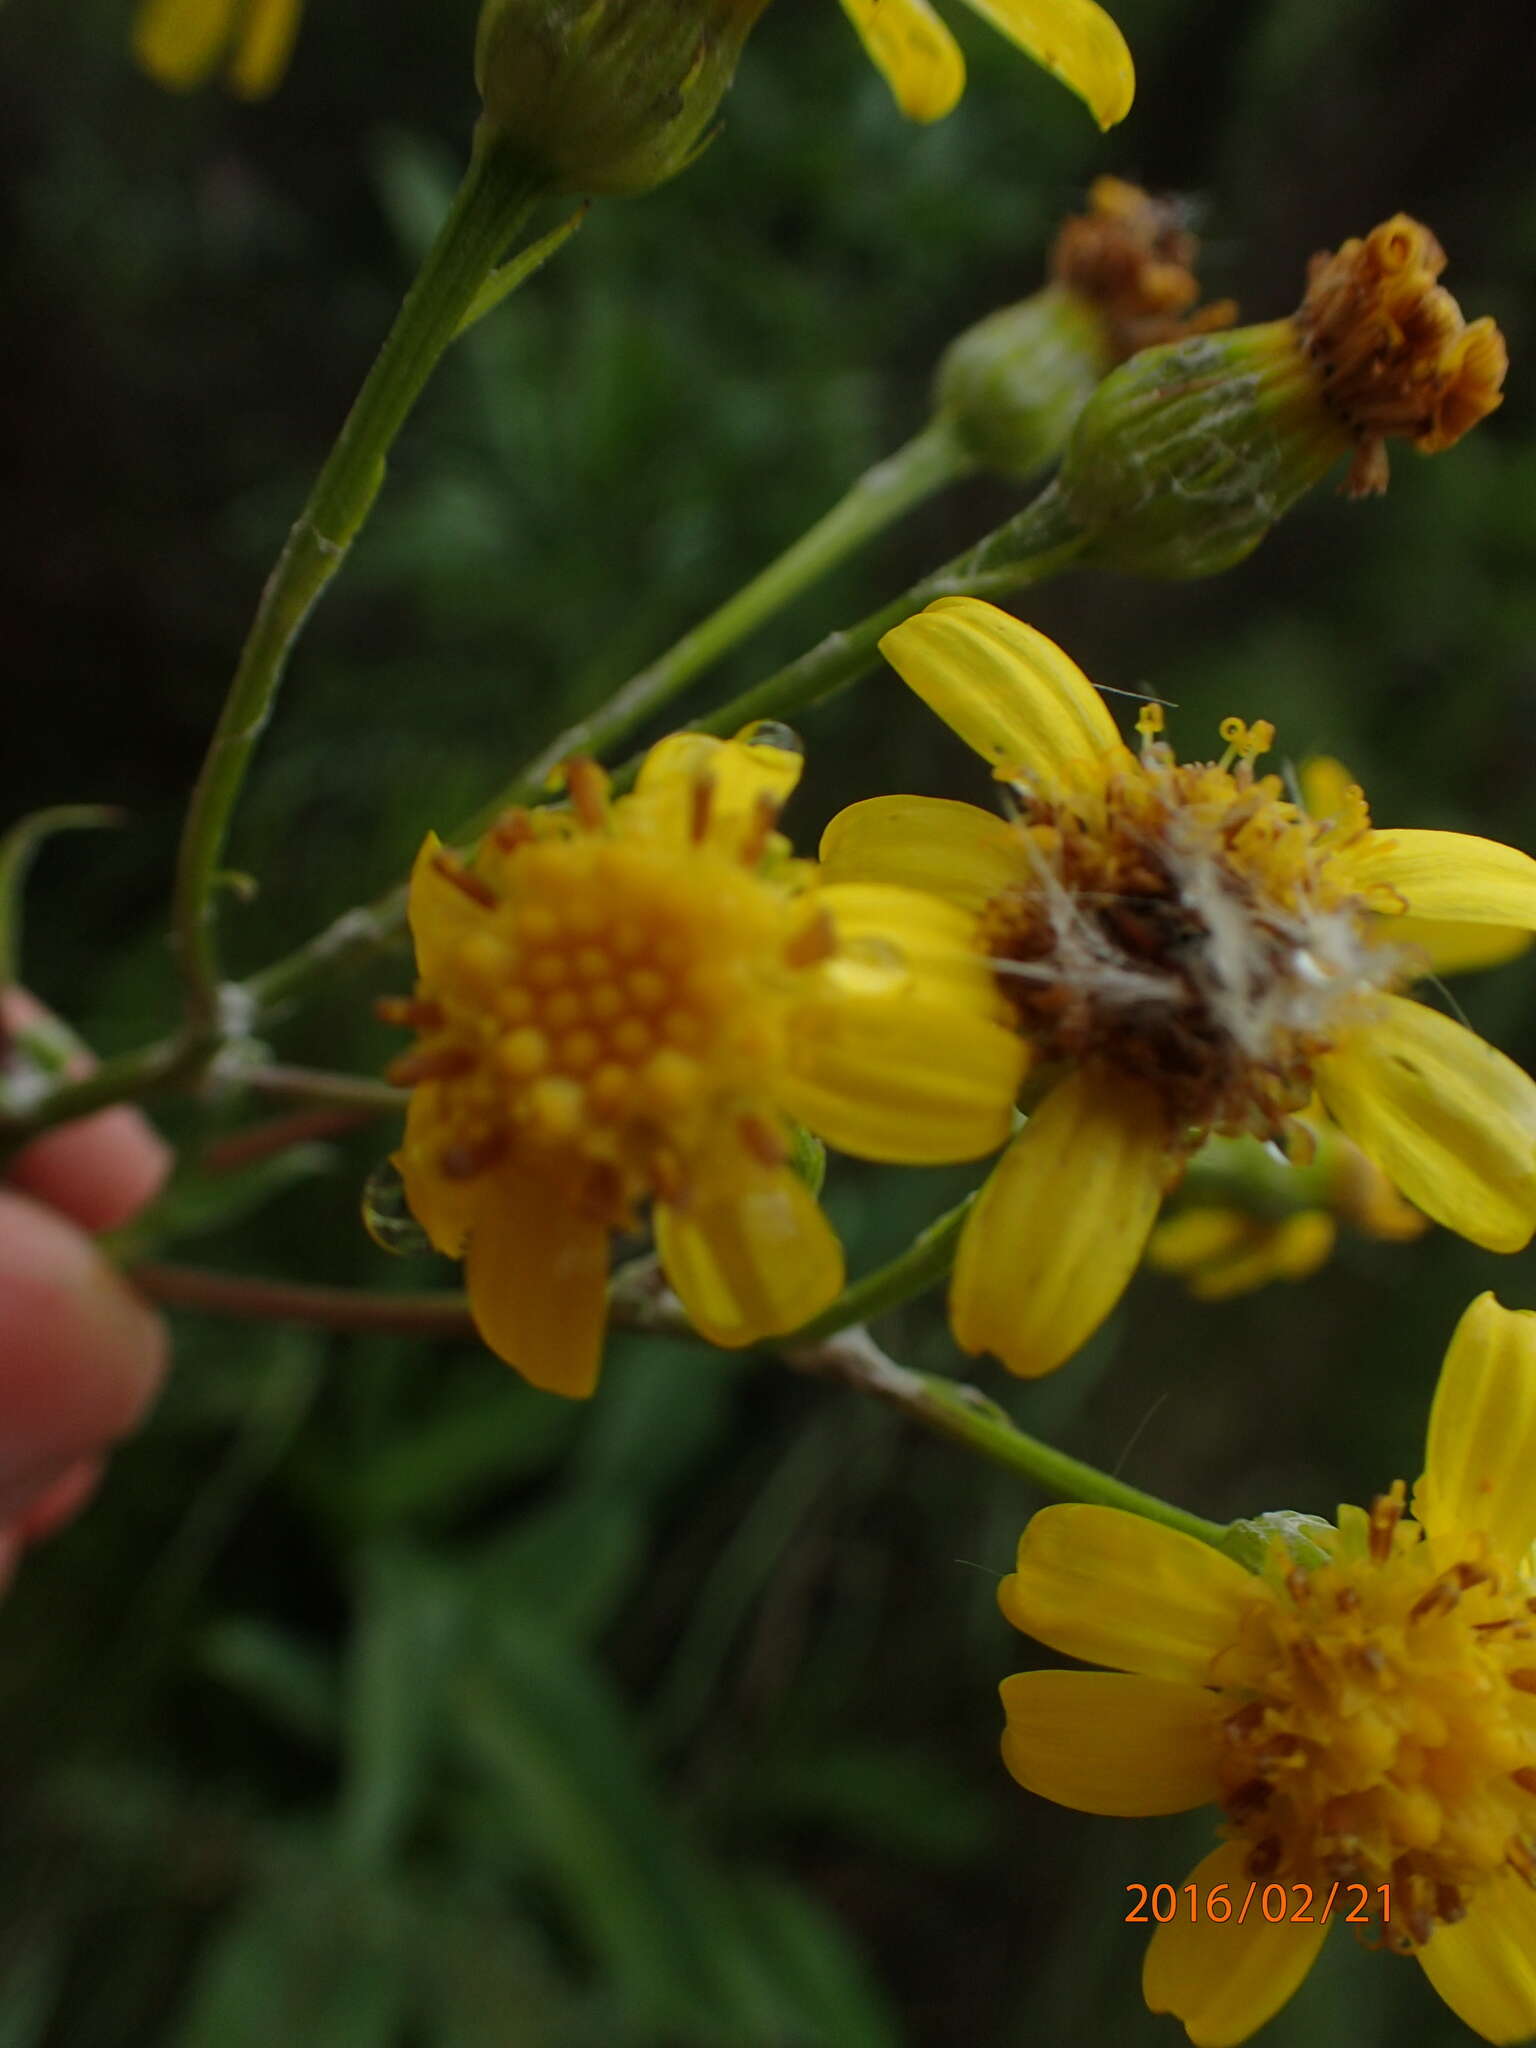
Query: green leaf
{"points": [[554, 1748], [291, 1965], [284, 1678], [570, 1563], [410, 1615]]}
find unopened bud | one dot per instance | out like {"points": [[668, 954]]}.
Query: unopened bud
{"points": [[1188, 454], [1122, 278], [606, 96]]}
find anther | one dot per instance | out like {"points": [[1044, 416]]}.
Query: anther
{"points": [[452, 869], [1525, 1778], [409, 1013], [701, 800], [1264, 1859], [512, 832], [1523, 1679], [1245, 1722], [588, 787], [1386, 1513], [1517, 1854], [766, 1145], [448, 1063], [1248, 1800], [765, 815]]}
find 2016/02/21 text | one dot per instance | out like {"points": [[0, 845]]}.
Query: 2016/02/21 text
{"points": [[1302, 1903]]}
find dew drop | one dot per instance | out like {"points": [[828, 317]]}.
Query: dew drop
{"points": [[768, 732], [387, 1215]]}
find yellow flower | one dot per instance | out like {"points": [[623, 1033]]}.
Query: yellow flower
{"points": [[1273, 1221], [641, 998], [182, 42], [921, 61], [1363, 1710], [1186, 952]]}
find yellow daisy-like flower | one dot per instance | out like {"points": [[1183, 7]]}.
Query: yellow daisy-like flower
{"points": [[640, 998], [1186, 952], [1366, 1720], [921, 62], [181, 43], [1258, 1229]]}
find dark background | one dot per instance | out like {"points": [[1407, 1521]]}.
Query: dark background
{"points": [[379, 1700]]}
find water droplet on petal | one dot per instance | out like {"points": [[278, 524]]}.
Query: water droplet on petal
{"points": [[387, 1215], [768, 732], [870, 966]]}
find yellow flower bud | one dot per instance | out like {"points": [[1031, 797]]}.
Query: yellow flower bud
{"points": [[607, 96]]}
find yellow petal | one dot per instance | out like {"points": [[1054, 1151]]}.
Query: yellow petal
{"points": [[1484, 1966], [961, 853], [1061, 1225], [1107, 1742], [1450, 876], [537, 1275], [261, 56], [444, 1208], [1078, 42], [440, 914], [1221, 1978], [903, 945], [1009, 693], [1292, 1248], [1481, 1450], [1447, 1118], [740, 779], [914, 53], [750, 1258], [178, 42], [1183, 1243], [1111, 1588], [909, 1081], [1453, 948]]}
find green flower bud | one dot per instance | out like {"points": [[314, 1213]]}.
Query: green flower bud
{"points": [[607, 96], [1121, 278], [1187, 455]]}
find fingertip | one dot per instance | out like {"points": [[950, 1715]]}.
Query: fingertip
{"points": [[81, 1354], [102, 1170]]}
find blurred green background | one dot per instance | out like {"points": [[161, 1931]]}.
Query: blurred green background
{"points": [[379, 1702]]}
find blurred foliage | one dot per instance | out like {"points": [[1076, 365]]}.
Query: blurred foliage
{"points": [[379, 1700]]}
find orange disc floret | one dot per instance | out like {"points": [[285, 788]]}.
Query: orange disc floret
{"points": [[1394, 355]]}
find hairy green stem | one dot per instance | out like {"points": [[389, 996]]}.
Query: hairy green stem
{"points": [[951, 1409], [494, 198]]}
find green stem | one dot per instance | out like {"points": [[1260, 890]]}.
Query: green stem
{"points": [[1035, 545], [958, 1412], [132, 1077], [924, 1263], [1031, 548], [495, 196]]}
